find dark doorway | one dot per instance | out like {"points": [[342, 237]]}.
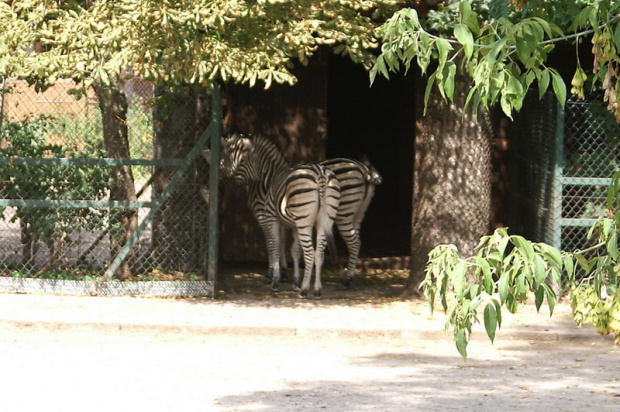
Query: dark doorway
{"points": [[377, 122]]}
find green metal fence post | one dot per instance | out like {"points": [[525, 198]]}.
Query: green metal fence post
{"points": [[212, 253], [558, 183], [214, 128]]}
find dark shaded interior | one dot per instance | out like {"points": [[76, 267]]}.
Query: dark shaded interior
{"points": [[376, 122], [331, 112]]}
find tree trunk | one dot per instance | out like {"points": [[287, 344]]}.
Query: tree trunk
{"points": [[113, 105], [179, 229], [452, 179]]}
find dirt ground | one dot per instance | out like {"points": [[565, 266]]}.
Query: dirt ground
{"points": [[371, 283], [86, 367], [76, 370]]}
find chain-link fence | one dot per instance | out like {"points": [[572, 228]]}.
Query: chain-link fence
{"points": [[92, 193], [562, 165]]}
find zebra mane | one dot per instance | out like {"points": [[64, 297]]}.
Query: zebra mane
{"points": [[268, 152]]}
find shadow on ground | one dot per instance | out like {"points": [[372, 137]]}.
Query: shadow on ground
{"points": [[529, 376], [370, 283]]}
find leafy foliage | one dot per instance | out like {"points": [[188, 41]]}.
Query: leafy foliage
{"points": [[505, 51], [30, 139], [176, 42], [507, 267]]}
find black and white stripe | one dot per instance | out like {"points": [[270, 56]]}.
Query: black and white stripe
{"points": [[303, 197], [357, 188]]}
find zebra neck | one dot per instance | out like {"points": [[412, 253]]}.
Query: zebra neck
{"points": [[271, 161]]}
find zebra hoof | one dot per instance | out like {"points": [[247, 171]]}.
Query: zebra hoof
{"points": [[303, 293], [345, 282], [318, 295]]}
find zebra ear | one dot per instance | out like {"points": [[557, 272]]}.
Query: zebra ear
{"points": [[247, 142]]}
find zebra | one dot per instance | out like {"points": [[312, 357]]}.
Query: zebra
{"points": [[357, 187], [302, 197]]}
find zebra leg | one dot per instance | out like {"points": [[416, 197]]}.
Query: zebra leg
{"points": [[295, 255], [319, 256], [351, 237], [305, 240], [272, 235], [283, 265]]}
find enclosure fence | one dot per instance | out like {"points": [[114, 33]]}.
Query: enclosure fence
{"points": [[563, 160], [78, 218]]}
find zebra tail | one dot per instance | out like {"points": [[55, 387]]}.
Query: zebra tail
{"points": [[373, 176], [329, 199]]}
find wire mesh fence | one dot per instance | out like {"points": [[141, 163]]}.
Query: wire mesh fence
{"points": [[562, 165], [72, 209]]}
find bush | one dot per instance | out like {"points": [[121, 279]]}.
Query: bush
{"points": [[507, 267], [50, 225]]}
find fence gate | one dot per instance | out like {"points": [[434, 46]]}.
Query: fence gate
{"points": [[59, 230], [563, 161]]}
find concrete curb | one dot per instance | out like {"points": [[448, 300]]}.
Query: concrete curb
{"points": [[393, 320], [512, 334]]}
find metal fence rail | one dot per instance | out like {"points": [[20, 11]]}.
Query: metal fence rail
{"points": [[58, 222], [563, 161]]}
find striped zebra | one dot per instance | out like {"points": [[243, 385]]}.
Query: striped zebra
{"points": [[302, 197], [357, 187]]}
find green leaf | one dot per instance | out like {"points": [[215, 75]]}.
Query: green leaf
{"points": [[469, 17], [464, 36], [613, 200], [612, 246], [581, 19], [490, 320], [497, 48], [550, 298], [503, 287], [593, 17], [502, 244], [457, 276], [523, 51], [443, 48], [543, 82], [568, 265], [524, 246], [540, 273], [539, 296], [617, 36], [487, 278], [583, 262], [551, 254], [511, 303], [498, 312], [521, 284], [460, 338], [545, 25], [429, 88], [465, 10], [448, 73], [379, 67], [559, 87]]}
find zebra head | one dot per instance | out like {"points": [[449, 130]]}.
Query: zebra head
{"points": [[237, 159]]}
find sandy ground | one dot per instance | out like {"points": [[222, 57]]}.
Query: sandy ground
{"points": [[103, 370], [253, 350]]}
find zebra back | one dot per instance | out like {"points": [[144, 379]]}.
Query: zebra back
{"points": [[274, 186], [357, 185]]}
